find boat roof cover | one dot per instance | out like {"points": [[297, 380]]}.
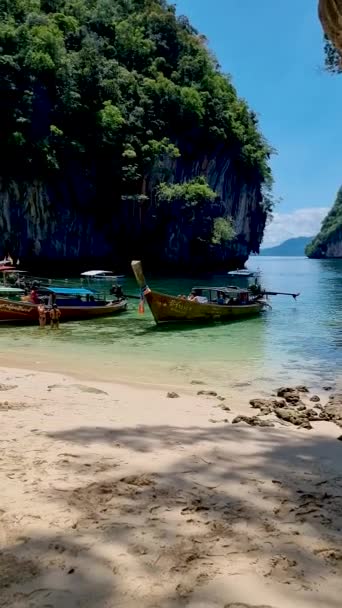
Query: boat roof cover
{"points": [[93, 273], [4, 289], [70, 291], [12, 270], [229, 289], [242, 273]]}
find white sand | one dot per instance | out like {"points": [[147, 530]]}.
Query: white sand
{"points": [[117, 496]]}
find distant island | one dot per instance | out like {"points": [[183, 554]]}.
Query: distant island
{"points": [[291, 247]]}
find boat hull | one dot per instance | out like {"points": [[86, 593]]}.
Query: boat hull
{"points": [[26, 312], [166, 309]]}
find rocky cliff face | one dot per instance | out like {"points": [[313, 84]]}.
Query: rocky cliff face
{"points": [[330, 247], [71, 223], [45, 222], [328, 242], [334, 246]]}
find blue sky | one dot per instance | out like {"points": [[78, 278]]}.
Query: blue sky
{"points": [[274, 52]]}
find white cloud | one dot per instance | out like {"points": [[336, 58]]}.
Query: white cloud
{"points": [[302, 222]]}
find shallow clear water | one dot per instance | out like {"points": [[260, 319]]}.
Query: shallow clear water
{"points": [[295, 341]]}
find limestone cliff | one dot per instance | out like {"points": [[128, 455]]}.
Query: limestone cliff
{"points": [[330, 247], [328, 243], [101, 104]]}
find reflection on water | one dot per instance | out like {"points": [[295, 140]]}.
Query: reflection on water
{"points": [[294, 341]]}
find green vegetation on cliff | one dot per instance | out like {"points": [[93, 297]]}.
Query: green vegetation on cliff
{"points": [[330, 235], [333, 58], [103, 102], [113, 78]]}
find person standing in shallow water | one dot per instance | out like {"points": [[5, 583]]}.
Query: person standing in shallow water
{"points": [[55, 314], [42, 315]]}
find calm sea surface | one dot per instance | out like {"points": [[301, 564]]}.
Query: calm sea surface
{"points": [[295, 341]]}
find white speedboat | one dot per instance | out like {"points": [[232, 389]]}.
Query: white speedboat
{"points": [[243, 273], [102, 275]]}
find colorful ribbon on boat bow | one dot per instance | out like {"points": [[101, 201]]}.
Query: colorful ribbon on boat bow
{"points": [[141, 307]]}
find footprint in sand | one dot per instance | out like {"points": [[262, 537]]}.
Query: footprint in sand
{"points": [[59, 548], [47, 598], [285, 570], [99, 466], [138, 480], [184, 590], [12, 405], [332, 556], [137, 550]]}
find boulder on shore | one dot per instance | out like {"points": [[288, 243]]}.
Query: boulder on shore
{"points": [[333, 409], [253, 421], [302, 388], [291, 395], [289, 414], [267, 403], [289, 408], [286, 390]]}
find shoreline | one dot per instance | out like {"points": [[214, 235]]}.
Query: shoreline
{"points": [[167, 375], [84, 376], [127, 375], [116, 494]]}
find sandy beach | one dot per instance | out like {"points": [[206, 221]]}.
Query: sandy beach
{"points": [[117, 495]]}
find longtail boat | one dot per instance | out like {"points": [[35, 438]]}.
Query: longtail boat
{"points": [[208, 303], [74, 303]]}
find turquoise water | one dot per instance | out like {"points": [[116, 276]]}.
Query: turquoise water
{"points": [[295, 341]]}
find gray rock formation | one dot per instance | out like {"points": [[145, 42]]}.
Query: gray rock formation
{"points": [[74, 221]]}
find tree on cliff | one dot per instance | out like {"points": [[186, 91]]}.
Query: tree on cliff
{"points": [[330, 14], [333, 58], [330, 233], [117, 90], [200, 209]]}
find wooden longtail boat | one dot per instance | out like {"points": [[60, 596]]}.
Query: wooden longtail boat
{"points": [[74, 303], [166, 308]]}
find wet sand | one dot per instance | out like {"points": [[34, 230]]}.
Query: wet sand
{"points": [[117, 495]]}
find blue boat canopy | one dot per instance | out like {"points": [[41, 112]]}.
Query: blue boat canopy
{"points": [[70, 291]]}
